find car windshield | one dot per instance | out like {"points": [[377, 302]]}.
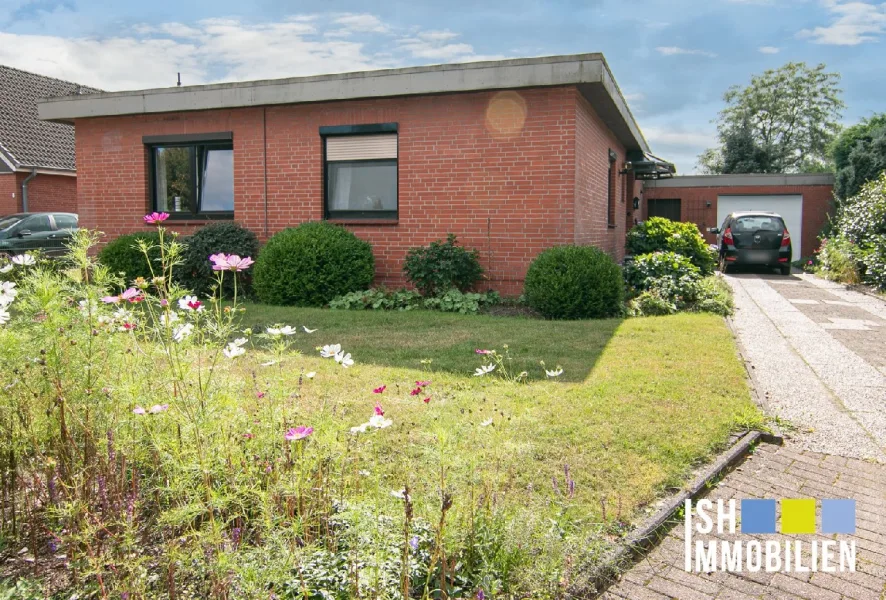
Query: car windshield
{"points": [[7, 222], [759, 223]]}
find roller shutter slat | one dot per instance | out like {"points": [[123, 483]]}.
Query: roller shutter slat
{"points": [[361, 147]]}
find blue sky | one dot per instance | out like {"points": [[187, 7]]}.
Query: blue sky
{"points": [[673, 60]]}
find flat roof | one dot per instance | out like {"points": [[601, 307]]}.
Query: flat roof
{"points": [[589, 72], [743, 179]]}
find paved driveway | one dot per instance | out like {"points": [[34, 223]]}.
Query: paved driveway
{"points": [[817, 354]]}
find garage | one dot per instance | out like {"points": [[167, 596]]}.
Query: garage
{"points": [[790, 207]]}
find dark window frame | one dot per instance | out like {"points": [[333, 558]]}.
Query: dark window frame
{"points": [[368, 216], [208, 141], [610, 189]]}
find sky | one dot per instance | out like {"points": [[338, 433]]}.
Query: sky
{"points": [[672, 59]]}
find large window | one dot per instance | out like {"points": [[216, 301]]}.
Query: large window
{"points": [[361, 171], [193, 178]]}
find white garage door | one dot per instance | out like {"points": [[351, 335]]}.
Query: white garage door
{"points": [[789, 207]]}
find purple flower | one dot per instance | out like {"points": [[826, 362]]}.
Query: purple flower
{"points": [[138, 410], [413, 542], [159, 408], [379, 410], [111, 299], [478, 351], [298, 433], [155, 218], [480, 594]]}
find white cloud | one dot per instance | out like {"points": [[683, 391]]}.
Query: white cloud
{"points": [[853, 23], [769, 49], [675, 50], [213, 50], [679, 137]]}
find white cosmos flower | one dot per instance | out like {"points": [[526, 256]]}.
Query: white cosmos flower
{"points": [[361, 428], [310, 374], [329, 351], [484, 369], [288, 330], [4, 315], [233, 351], [239, 342], [344, 359], [486, 423], [7, 293], [308, 330], [87, 306], [182, 331], [273, 331], [379, 422], [188, 302], [7, 268], [270, 363], [172, 318], [25, 260], [555, 373], [401, 494]]}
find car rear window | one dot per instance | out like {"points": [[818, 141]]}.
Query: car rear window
{"points": [[66, 221], [759, 223]]}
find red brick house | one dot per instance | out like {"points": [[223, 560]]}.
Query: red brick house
{"points": [[512, 156], [804, 200], [37, 171]]}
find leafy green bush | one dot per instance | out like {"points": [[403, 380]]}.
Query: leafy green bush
{"points": [[377, 299], [652, 270], [311, 264], [574, 282], [714, 296], [123, 255], [658, 234], [459, 302], [441, 266], [651, 304], [665, 282], [835, 261], [225, 237]]}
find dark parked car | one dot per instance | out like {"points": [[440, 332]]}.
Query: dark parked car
{"points": [[754, 238], [45, 231]]}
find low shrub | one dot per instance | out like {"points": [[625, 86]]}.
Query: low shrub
{"points": [[658, 234], [660, 269], [664, 283], [450, 301], [714, 296], [441, 266], [312, 264], [575, 282], [123, 256], [225, 237], [651, 304], [836, 261]]}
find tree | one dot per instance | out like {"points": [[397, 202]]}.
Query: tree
{"points": [[782, 122], [859, 155]]}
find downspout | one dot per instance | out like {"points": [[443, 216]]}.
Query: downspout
{"points": [[25, 189]]}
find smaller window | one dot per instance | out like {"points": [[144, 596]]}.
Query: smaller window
{"points": [[65, 221], [36, 224], [361, 172], [193, 179], [610, 190]]}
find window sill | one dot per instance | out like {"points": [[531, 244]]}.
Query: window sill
{"points": [[611, 225], [386, 222], [176, 221]]}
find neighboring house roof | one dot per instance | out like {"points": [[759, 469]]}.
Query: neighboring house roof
{"points": [[25, 140], [589, 72], [744, 180]]}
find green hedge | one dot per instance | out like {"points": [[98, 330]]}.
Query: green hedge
{"points": [[658, 234], [123, 257], [226, 237]]}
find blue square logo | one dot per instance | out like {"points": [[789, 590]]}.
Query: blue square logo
{"points": [[838, 516], [757, 516]]}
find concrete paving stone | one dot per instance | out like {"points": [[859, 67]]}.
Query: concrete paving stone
{"points": [[631, 591], [676, 590], [802, 301], [845, 587], [802, 588]]}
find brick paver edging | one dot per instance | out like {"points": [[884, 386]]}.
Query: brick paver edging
{"points": [[602, 573]]}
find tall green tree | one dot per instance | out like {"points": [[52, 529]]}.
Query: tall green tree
{"points": [[783, 122], [859, 155]]}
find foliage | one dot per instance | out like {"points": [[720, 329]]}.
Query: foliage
{"points": [[859, 154], [441, 266], [574, 282], [123, 256], [658, 234], [663, 283], [792, 114], [311, 264], [651, 304], [223, 237], [858, 243], [449, 301], [714, 296]]}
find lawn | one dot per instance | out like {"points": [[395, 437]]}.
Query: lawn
{"points": [[512, 487]]}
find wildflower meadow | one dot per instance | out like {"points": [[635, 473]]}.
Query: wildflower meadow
{"points": [[151, 446]]}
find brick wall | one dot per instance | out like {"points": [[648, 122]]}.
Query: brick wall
{"points": [[46, 193], [693, 205], [496, 169]]}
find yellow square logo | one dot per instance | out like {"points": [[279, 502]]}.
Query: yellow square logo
{"points": [[798, 515]]}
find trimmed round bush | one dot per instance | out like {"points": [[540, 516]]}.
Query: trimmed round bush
{"points": [[123, 255], [312, 264], [442, 266], [575, 282], [226, 237], [658, 234]]}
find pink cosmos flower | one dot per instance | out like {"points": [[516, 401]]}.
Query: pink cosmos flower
{"points": [[478, 351], [426, 400], [248, 436], [415, 392], [239, 264], [138, 410], [260, 395], [155, 218], [379, 390], [219, 262], [422, 383], [159, 408], [111, 299], [379, 410], [128, 326], [164, 302], [298, 433], [131, 295]]}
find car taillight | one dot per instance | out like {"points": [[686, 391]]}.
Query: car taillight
{"points": [[727, 237], [785, 239]]}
